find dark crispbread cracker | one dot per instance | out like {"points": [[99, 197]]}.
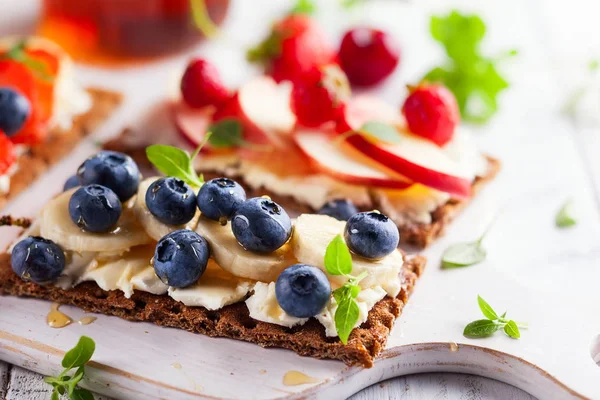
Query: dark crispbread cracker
{"points": [[40, 157], [233, 321]]}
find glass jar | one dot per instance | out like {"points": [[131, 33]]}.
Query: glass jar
{"points": [[121, 31]]}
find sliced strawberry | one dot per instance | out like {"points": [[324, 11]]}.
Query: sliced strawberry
{"points": [[17, 76], [7, 154], [44, 80], [192, 123]]}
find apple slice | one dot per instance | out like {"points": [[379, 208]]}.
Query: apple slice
{"points": [[366, 108], [417, 159], [192, 124], [263, 108], [320, 149]]}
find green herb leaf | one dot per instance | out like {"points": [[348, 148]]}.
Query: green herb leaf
{"points": [[346, 317], [480, 328], [338, 260], [512, 330], [80, 354], [341, 294], [486, 309], [82, 394], [381, 131], [463, 255], [226, 133], [72, 383], [54, 395], [564, 217], [472, 77], [175, 162], [304, 7], [202, 18]]}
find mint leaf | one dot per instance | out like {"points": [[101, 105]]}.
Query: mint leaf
{"points": [[72, 383], [307, 7], [463, 255], [338, 260], [175, 162], [80, 354], [226, 133], [342, 294], [480, 328], [54, 395], [82, 394], [486, 309], [346, 316], [564, 218], [512, 330], [471, 76], [381, 131]]}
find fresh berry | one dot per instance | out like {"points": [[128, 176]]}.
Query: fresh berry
{"points": [[180, 258], [71, 183], [341, 209], [295, 45], [95, 208], [368, 56], [432, 113], [7, 154], [219, 198], [116, 171], [37, 259], [371, 235], [14, 111], [261, 225], [318, 96], [302, 290], [201, 85], [171, 201]]}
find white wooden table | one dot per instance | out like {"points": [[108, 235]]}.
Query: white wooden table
{"points": [[568, 37]]}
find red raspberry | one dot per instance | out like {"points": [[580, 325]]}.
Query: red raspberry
{"points": [[368, 56], [7, 154], [431, 111], [201, 85], [318, 96]]}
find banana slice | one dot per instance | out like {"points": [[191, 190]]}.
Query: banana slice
{"points": [[312, 235], [57, 226], [154, 228], [232, 257]]}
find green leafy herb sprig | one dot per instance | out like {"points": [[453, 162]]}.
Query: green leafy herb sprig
{"points": [[487, 327], [565, 217], [338, 261], [228, 133], [471, 76], [173, 161], [17, 53], [77, 357]]}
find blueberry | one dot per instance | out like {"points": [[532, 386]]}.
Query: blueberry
{"points": [[37, 259], [371, 234], [302, 290], [116, 171], [71, 183], [261, 225], [171, 201], [95, 208], [180, 258], [339, 209], [220, 198], [14, 110]]}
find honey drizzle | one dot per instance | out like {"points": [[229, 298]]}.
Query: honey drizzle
{"points": [[57, 319], [294, 378]]}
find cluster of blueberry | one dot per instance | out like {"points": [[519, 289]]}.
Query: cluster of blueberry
{"points": [[259, 225]]}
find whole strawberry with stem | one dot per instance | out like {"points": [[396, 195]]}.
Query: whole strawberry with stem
{"points": [[368, 55], [294, 46], [201, 85], [319, 95], [431, 112]]}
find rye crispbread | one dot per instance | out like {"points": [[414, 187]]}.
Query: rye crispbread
{"points": [[59, 143], [232, 321]]}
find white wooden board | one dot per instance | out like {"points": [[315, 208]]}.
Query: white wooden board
{"points": [[541, 275]]}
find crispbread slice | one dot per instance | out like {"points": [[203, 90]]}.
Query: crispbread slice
{"points": [[233, 321], [40, 157]]}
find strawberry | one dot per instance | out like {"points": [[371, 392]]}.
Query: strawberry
{"points": [[318, 95], [201, 85], [295, 45], [7, 154]]}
